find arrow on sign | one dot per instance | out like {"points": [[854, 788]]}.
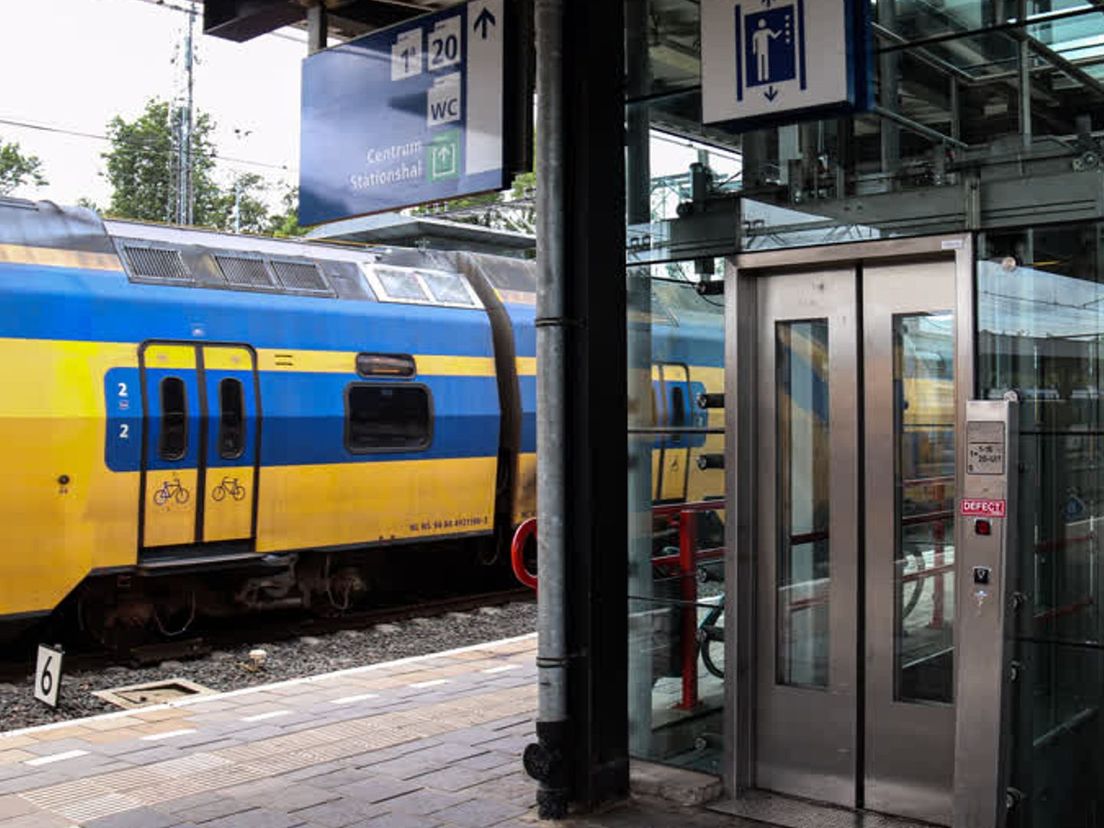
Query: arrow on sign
{"points": [[484, 20], [771, 94]]}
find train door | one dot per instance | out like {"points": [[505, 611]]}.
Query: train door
{"points": [[230, 453], [200, 455], [674, 464], [171, 454]]}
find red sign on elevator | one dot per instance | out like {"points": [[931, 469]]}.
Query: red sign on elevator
{"points": [[982, 507]]}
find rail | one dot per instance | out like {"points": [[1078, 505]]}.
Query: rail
{"points": [[687, 560]]}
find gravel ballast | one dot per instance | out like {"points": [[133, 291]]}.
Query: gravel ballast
{"points": [[232, 668]]}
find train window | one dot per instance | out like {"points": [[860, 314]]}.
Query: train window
{"points": [[387, 417], [231, 438], [401, 284], [448, 288], [174, 420], [678, 407]]}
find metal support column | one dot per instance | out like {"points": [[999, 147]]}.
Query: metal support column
{"points": [[582, 445], [318, 26], [638, 188]]}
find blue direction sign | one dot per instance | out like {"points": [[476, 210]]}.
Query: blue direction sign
{"points": [[778, 61], [406, 115]]}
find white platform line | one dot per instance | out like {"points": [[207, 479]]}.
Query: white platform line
{"points": [[351, 699], [260, 717], [501, 669], [168, 734], [56, 757], [430, 683]]}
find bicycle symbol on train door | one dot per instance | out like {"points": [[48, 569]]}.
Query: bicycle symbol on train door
{"points": [[171, 490], [228, 486]]}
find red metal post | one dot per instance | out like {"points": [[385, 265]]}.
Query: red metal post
{"points": [[688, 574], [938, 587]]}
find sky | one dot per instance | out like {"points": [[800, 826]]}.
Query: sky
{"points": [[74, 64]]}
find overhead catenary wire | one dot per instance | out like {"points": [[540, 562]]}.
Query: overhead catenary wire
{"points": [[54, 128]]}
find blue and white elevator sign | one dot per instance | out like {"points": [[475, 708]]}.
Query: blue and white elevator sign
{"points": [[407, 115], [767, 61]]}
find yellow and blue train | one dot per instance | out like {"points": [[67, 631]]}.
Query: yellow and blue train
{"points": [[200, 422]]}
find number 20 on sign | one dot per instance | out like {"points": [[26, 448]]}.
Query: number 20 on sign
{"points": [[47, 678]]}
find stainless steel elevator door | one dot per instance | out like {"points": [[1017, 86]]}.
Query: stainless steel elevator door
{"points": [[909, 396], [808, 540], [855, 588]]}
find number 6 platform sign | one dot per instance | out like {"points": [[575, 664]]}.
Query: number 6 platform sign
{"points": [[47, 676]]}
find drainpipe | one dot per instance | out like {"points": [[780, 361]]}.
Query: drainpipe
{"points": [[546, 760]]}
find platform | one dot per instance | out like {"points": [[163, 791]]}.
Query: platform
{"points": [[426, 742]]}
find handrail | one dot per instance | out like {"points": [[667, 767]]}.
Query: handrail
{"points": [[687, 559]]}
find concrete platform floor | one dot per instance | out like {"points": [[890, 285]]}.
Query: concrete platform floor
{"points": [[427, 742]]}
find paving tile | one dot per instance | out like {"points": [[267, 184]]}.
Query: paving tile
{"points": [[378, 789], [39, 779], [256, 818], [217, 808], [340, 813], [58, 746], [297, 797], [137, 818], [13, 806], [151, 754], [477, 813], [424, 802], [454, 779], [185, 804], [337, 779], [397, 820], [39, 820], [490, 760], [513, 788]]}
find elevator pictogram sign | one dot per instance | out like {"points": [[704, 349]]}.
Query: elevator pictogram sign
{"points": [[767, 61]]}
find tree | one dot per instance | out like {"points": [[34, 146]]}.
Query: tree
{"points": [[286, 223], [18, 168], [142, 166], [240, 207]]}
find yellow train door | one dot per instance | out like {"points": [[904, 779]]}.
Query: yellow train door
{"points": [[170, 454], [230, 446], [674, 466]]}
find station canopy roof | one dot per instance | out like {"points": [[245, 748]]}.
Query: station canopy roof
{"points": [[242, 20]]}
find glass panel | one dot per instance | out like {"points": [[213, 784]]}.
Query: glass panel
{"points": [[232, 420], [1041, 331], [174, 420], [447, 287], [803, 503], [676, 569], [924, 420]]}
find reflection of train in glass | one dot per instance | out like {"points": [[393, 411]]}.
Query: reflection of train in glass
{"points": [[203, 423]]}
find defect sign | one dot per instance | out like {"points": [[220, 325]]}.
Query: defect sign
{"points": [[47, 678], [982, 507]]}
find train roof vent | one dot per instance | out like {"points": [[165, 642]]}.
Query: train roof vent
{"points": [[156, 263], [301, 277], [245, 272]]}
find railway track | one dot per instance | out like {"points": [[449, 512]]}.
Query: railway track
{"points": [[267, 628]]}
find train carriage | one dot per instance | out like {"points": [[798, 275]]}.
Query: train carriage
{"points": [[196, 421]]}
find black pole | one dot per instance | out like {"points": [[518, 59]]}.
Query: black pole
{"points": [[582, 755]]}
